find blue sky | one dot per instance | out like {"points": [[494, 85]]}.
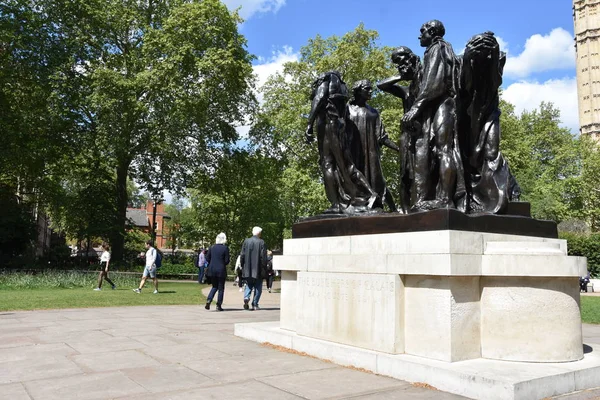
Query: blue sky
{"points": [[538, 36]]}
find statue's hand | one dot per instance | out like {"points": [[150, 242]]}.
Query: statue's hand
{"points": [[481, 46], [309, 134], [409, 116]]}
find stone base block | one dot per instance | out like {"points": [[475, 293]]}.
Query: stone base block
{"points": [[445, 295], [478, 378]]}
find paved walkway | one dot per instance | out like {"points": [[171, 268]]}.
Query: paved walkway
{"points": [[176, 352]]}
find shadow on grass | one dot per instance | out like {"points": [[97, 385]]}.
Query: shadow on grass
{"points": [[167, 292]]}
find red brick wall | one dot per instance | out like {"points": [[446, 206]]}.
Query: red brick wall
{"points": [[161, 227]]}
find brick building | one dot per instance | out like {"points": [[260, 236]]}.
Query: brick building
{"points": [[141, 218]]}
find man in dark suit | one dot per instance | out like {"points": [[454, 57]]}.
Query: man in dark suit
{"points": [[254, 262]]}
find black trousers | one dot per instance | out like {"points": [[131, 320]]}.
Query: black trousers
{"points": [[218, 284]]}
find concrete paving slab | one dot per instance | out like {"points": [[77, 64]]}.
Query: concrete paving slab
{"points": [[69, 337], [14, 391], [154, 340], [101, 362], [17, 330], [37, 350], [108, 344], [182, 353], [84, 387], [166, 378], [72, 326], [199, 337], [236, 347], [331, 383], [232, 369], [408, 392], [129, 330], [241, 390], [15, 341], [37, 367]]}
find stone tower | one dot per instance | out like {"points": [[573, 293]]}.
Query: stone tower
{"points": [[586, 15]]}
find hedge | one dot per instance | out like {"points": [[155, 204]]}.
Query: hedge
{"points": [[585, 245]]}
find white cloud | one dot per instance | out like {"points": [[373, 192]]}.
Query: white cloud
{"points": [[263, 71], [561, 92], [554, 51], [274, 64], [251, 7], [503, 44]]}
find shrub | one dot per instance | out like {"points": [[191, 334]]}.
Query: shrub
{"points": [[174, 269], [585, 246], [59, 280]]}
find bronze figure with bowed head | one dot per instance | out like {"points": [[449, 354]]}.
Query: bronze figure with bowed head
{"points": [[490, 184], [367, 135]]}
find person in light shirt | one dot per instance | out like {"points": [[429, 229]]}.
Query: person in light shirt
{"points": [[104, 261], [150, 269]]}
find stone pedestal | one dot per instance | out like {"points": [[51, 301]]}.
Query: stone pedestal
{"points": [[446, 295], [438, 295]]}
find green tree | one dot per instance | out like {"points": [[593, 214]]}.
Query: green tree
{"points": [[243, 191], [546, 161], [38, 139], [156, 84]]}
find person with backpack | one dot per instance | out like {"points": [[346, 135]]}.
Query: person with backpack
{"points": [[153, 261]]}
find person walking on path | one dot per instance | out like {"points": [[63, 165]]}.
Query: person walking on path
{"points": [[150, 269], [104, 261], [218, 258], [254, 262], [270, 271], [238, 272], [200, 264]]}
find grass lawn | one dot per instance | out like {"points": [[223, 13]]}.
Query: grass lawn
{"points": [[590, 309], [47, 298]]}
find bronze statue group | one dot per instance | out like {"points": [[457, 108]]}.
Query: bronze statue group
{"points": [[450, 132]]}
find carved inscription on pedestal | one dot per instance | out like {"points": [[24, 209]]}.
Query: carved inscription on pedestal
{"points": [[356, 309]]}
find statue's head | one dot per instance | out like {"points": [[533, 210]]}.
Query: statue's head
{"points": [[406, 61], [431, 30], [324, 77], [481, 46], [362, 89], [334, 72]]}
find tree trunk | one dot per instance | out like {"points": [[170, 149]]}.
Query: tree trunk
{"points": [[118, 235]]}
